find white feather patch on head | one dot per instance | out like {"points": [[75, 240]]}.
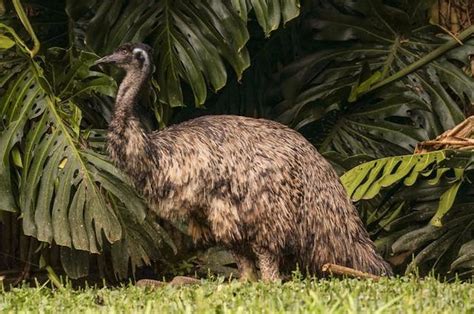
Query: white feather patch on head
{"points": [[144, 54]]}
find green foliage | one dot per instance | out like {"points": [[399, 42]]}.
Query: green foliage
{"points": [[329, 94], [65, 192], [419, 205], [191, 40]]}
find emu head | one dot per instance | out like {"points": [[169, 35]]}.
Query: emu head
{"points": [[130, 57]]}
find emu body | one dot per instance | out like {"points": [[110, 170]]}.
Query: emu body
{"points": [[254, 186]]}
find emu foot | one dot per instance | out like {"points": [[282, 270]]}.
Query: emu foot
{"points": [[176, 282]]}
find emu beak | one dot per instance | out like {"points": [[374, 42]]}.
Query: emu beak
{"points": [[107, 59]]}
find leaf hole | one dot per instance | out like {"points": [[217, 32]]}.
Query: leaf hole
{"points": [[397, 165], [400, 120], [450, 175], [431, 169]]}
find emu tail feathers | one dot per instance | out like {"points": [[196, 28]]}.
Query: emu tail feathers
{"points": [[366, 259]]}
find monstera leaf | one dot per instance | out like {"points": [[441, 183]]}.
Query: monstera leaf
{"points": [[65, 192], [418, 205], [337, 95], [191, 39], [47, 18], [365, 181], [252, 95]]}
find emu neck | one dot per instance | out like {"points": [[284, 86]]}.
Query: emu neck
{"points": [[127, 140]]}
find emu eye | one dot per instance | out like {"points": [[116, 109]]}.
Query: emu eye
{"points": [[139, 57]]}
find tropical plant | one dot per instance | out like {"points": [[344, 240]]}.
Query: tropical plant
{"points": [[66, 191], [421, 206], [191, 40], [376, 82]]}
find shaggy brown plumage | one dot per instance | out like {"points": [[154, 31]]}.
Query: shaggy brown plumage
{"points": [[254, 186]]}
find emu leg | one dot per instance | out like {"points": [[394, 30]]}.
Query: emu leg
{"points": [[246, 266], [269, 265]]}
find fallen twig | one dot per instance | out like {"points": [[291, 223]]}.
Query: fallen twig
{"points": [[334, 269], [459, 137], [176, 282]]}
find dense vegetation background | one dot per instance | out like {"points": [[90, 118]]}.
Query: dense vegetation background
{"points": [[364, 81]]}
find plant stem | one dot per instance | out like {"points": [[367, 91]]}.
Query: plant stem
{"points": [[26, 23], [426, 59]]}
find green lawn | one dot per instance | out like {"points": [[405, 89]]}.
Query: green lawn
{"points": [[214, 296]]}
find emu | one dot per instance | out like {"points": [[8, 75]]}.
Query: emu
{"points": [[254, 186]]}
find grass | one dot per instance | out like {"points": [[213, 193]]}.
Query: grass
{"points": [[402, 295]]}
